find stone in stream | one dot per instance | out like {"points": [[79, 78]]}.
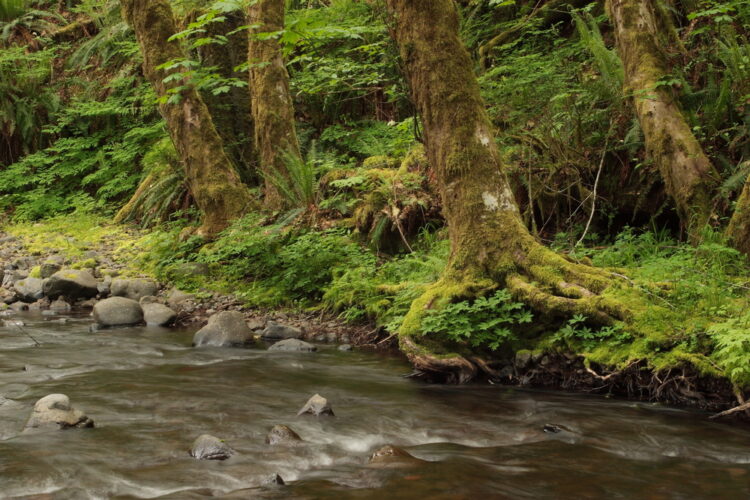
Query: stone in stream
{"points": [[345, 347], [207, 447], [392, 456], [275, 479], [282, 435], [55, 412], [118, 311], [275, 330], [155, 314], [293, 345], [177, 297], [59, 306], [72, 283], [225, 329], [133, 288], [317, 406], [19, 306], [29, 289]]}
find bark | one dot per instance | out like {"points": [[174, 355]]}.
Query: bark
{"points": [[273, 111], [212, 180], [490, 246], [738, 230], [689, 177]]}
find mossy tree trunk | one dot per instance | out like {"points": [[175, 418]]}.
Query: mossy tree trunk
{"points": [[738, 230], [640, 26], [212, 179], [273, 110], [490, 246]]}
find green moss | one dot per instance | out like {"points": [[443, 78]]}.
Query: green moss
{"points": [[380, 162], [85, 264], [36, 272]]}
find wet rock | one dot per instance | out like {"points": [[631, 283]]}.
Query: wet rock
{"points": [[29, 289], [40, 304], [225, 329], [9, 323], [55, 411], [345, 347], [317, 406], [118, 311], [392, 456], [282, 435], [275, 479], [275, 330], [86, 304], [207, 447], [293, 345], [19, 306], [72, 283], [133, 288], [59, 306], [552, 428], [155, 314]]}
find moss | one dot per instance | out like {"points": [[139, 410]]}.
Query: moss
{"points": [[380, 162], [36, 272], [85, 264]]}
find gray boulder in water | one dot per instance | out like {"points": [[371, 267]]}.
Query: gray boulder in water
{"points": [[207, 447], [55, 412], [225, 329], [278, 331], [282, 435], [317, 406], [392, 456], [72, 283], [293, 345], [118, 311], [29, 289], [133, 288], [155, 314]]}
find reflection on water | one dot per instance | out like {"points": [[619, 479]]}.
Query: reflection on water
{"points": [[150, 395]]}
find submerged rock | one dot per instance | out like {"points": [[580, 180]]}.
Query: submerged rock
{"points": [[282, 435], [155, 314], [207, 447], [293, 345], [317, 406], [118, 311], [55, 411], [133, 288], [275, 330], [392, 456], [225, 329], [72, 283]]}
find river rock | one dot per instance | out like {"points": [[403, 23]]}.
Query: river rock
{"points": [[155, 314], [207, 447], [282, 435], [118, 311], [275, 479], [293, 345], [104, 286], [55, 411], [59, 306], [29, 289], [177, 297], [224, 329], [275, 330], [40, 304], [133, 288], [392, 456], [72, 283], [49, 268], [317, 406], [19, 306], [6, 296], [345, 347]]}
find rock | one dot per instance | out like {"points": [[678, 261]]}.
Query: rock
{"points": [[522, 360], [256, 324], [177, 297], [72, 283], [133, 288], [48, 268], [282, 435], [29, 289], [118, 311], [225, 329], [551, 428], [293, 345], [9, 323], [155, 314], [87, 304], [60, 306], [24, 263], [188, 270], [55, 411], [19, 306], [392, 456], [148, 299], [275, 330], [104, 287], [208, 447], [40, 304], [317, 406], [345, 347], [6, 296], [275, 479]]}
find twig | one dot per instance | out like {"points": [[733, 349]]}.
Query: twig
{"points": [[596, 186], [732, 411]]}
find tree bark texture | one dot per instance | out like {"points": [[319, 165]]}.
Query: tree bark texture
{"points": [[273, 110], [689, 177], [212, 179], [738, 230]]}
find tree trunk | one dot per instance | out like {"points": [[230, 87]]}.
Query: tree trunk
{"points": [[273, 111], [738, 230], [211, 177], [490, 246], [688, 174]]}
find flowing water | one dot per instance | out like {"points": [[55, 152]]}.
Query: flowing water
{"points": [[151, 395]]}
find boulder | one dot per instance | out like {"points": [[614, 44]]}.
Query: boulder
{"points": [[224, 329], [177, 297], [293, 345], [59, 306], [40, 304], [6, 296], [133, 288], [275, 330], [29, 289], [118, 311], [72, 283], [55, 411], [207, 447], [317, 406], [104, 286], [155, 314], [392, 456], [275, 479], [49, 268], [282, 435]]}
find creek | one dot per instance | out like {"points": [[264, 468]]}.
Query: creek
{"points": [[151, 394]]}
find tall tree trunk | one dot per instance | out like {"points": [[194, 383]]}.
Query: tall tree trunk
{"points": [[490, 246], [738, 230], [640, 26], [211, 177], [273, 111]]}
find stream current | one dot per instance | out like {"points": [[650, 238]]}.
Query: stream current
{"points": [[151, 395]]}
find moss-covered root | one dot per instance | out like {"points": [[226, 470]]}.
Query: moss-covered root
{"points": [[450, 368]]}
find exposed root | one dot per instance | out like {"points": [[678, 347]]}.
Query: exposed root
{"points": [[452, 369]]}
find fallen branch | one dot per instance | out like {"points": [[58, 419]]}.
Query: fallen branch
{"points": [[732, 411]]}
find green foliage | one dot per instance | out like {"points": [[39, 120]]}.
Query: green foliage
{"points": [[11, 9], [486, 321], [300, 188], [732, 348], [575, 335]]}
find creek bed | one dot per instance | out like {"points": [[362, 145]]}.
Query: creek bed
{"points": [[151, 395]]}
